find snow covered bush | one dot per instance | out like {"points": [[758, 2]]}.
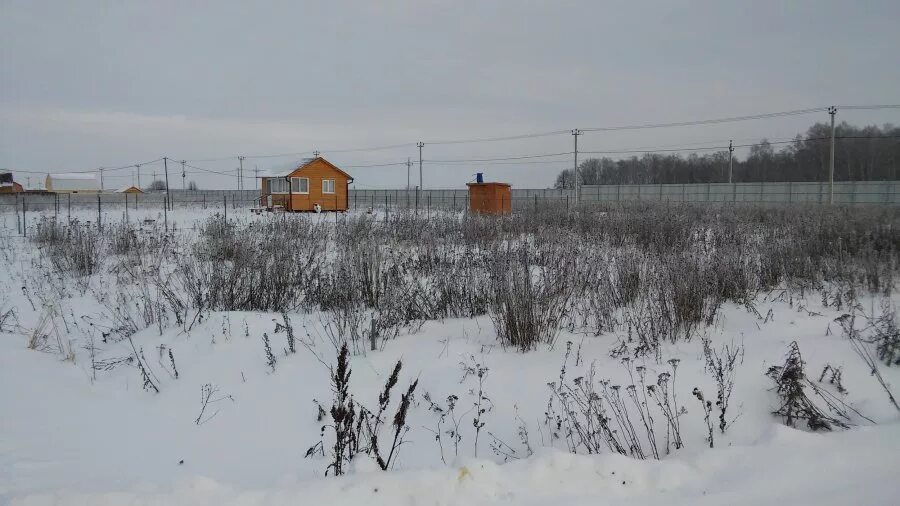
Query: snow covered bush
{"points": [[528, 303]]}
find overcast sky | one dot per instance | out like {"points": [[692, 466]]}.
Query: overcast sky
{"points": [[87, 84]]}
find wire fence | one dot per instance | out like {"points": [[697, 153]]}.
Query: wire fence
{"points": [[845, 192], [107, 207]]}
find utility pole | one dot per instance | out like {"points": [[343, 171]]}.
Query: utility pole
{"points": [[182, 176], [730, 160], [420, 146], [575, 133], [101, 179], [138, 167], [166, 167], [831, 111], [408, 167], [256, 177], [241, 173]]}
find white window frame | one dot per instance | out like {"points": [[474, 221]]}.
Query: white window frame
{"points": [[271, 191], [333, 187], [299, 180]]}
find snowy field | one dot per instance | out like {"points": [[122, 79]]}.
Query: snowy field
{"points": [[104, 374]]}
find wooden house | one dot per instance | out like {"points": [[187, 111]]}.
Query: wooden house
{"points": [[490, 198], [305, 185], [129, 189]]}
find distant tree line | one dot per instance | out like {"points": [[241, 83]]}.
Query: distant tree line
{"points": [[861, 154]]}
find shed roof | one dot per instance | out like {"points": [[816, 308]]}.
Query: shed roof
{"points": [[489, 183], [74, 175], [128, 187]]}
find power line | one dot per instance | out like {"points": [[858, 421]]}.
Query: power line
{"points": [[497, 139], [513, 137], [869, 107], [389, 164], [715, 121], [725, 147], [524, 157]]}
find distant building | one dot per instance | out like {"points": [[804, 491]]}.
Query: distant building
{"points": [[7, 185], [129, 189], [75, 182]]}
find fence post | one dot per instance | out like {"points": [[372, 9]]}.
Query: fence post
{"points": [[225, 206], [126, 207], [69, 207], [166, 213], [99, 217], [18, 221], [24, 218], [790, 192]]}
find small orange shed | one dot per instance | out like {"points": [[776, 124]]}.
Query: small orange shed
{"points": [[490, 198]]}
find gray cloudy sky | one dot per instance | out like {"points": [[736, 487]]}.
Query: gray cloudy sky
{"points": [[87, 84]]}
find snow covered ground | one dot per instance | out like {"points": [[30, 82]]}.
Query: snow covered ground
{"points": [[69, 438]]}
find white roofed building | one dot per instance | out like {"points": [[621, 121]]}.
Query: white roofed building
{"points": [[74, 182]]}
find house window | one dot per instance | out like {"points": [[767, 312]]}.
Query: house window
{"points": [[328, 186], [299, 185], [278, 185]]}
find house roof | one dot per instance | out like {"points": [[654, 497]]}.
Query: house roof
{"points": [[73, 181], [285, 170], [128, 187], [74, 175]]}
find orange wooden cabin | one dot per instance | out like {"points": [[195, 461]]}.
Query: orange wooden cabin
{"points": [[490, 198], [312, 181]]}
